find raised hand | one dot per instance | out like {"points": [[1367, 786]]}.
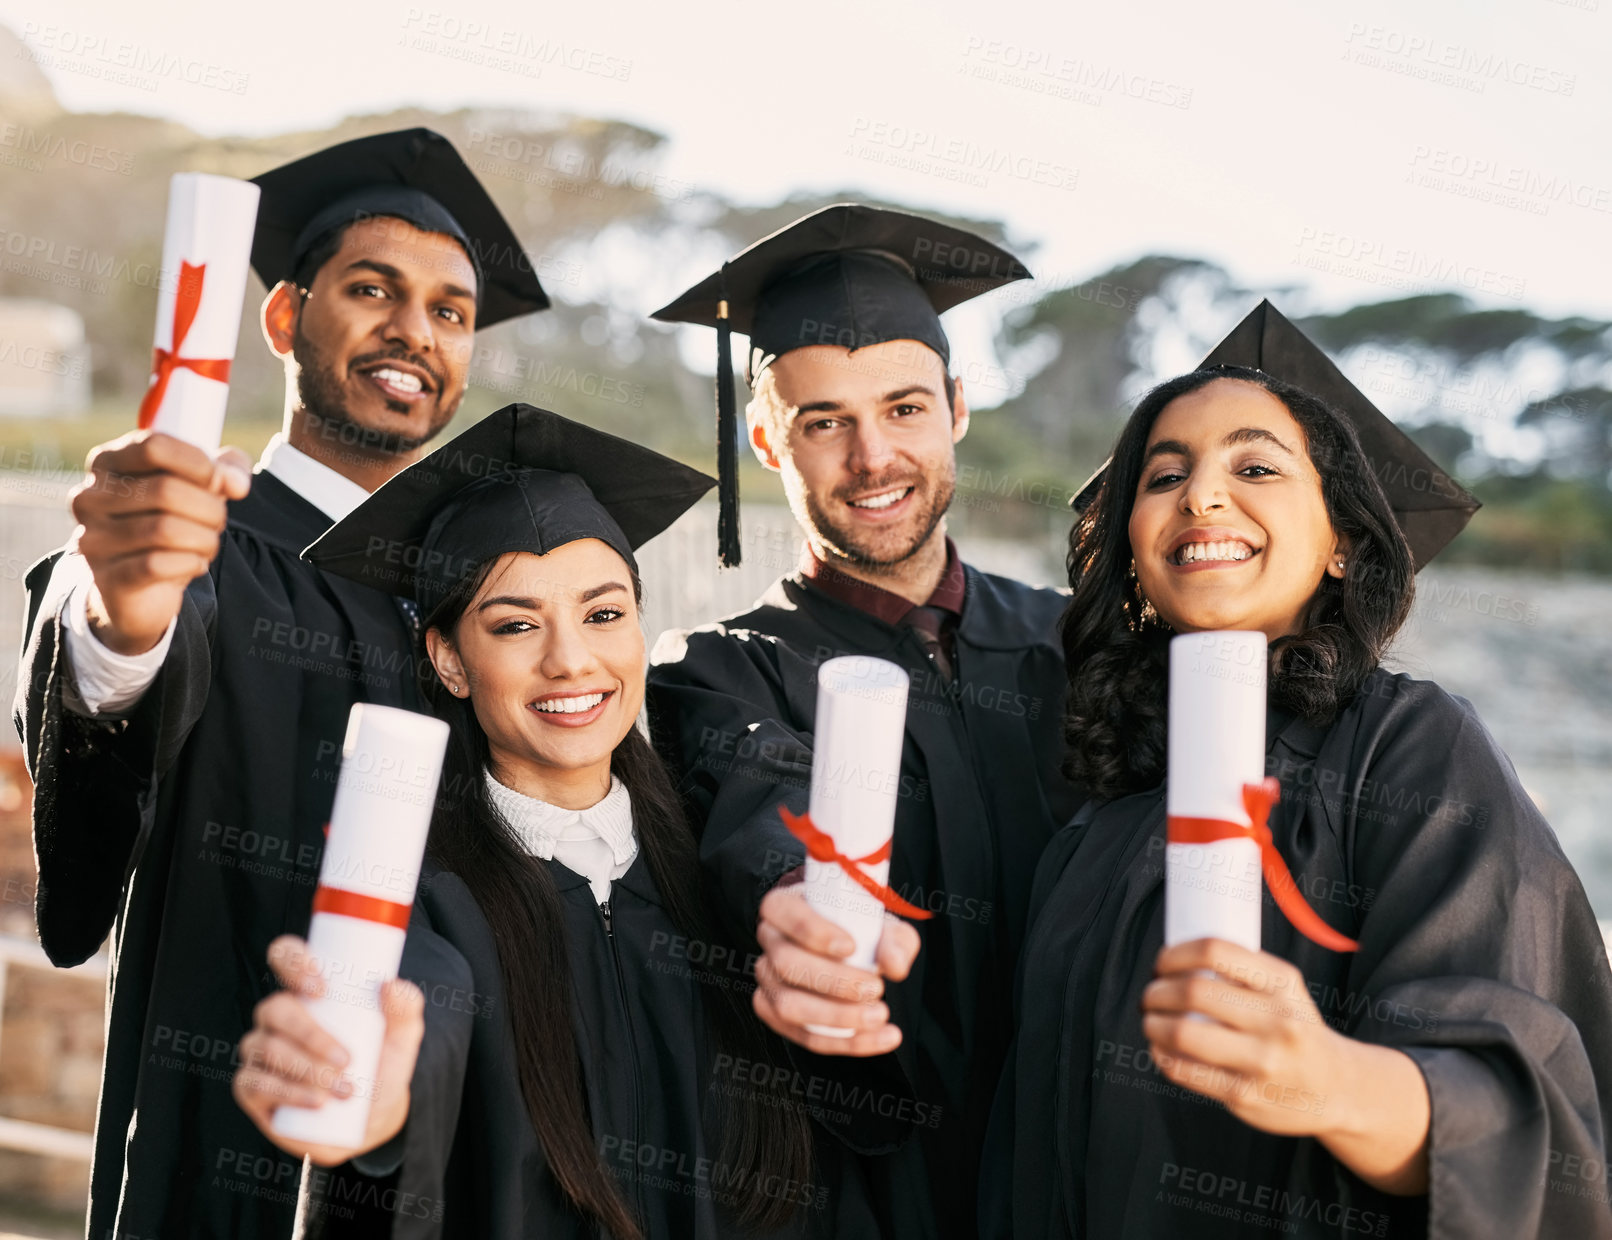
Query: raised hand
{"points": [[1240, 1026], [150, 510], [802, 978], [287, 1059]]}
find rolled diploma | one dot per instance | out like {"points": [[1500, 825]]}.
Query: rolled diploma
{"points": [[1216, 745], [211, 220], [391, 762], [856, 770]]}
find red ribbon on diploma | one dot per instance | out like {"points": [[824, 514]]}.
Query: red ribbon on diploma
{"points": [[1257, 800], [820, 846], [366, 908], [165, 361]]}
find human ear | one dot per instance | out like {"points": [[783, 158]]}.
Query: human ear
{"points": [[445, 659], [759, 443], [1338, 561], [959, 411], [279, 316]]}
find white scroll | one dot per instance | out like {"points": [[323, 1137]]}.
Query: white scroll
{"points": [[856, 775], [1216, 747], [391, 763], [206, 253]]}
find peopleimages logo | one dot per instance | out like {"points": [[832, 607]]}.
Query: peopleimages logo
{"points": [[139, 64]]}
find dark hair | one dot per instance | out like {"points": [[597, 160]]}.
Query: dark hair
{"points": [[1115, 646], [328, 244], [516, 894], [324, 248]]}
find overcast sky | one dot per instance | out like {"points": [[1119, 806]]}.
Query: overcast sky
{"points": [[1359, 149]]}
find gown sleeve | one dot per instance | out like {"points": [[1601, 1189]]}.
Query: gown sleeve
{"points": [[1482, 960], [720, 711], [95, 780]]}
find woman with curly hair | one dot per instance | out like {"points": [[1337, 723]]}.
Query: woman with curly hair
{"points": [[1453, 1076]]}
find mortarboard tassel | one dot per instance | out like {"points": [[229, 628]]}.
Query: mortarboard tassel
{"points": [[727, 444]]}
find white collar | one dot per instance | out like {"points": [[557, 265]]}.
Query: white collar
{"points": [[328, 491], [540, 826]]}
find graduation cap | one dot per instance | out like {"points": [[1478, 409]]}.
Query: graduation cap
{"points": [[413, 175], [1429, 505], [846, 275], [521, 479]]}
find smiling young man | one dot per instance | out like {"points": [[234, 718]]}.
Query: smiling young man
{"points": [[188, 677], [854, 407]]}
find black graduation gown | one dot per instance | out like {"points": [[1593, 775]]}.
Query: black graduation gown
{"points": [[981, 793], [193, 833], [1406, 828], [471, 1165]]}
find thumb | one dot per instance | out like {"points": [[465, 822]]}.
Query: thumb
{"points": [[898, 948], [403, 1004], [232, 473]]}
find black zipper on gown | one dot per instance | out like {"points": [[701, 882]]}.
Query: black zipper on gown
{"points": [[608, 918]]}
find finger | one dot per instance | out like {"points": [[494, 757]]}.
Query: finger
{"points": [[403, 1003], [149, 567], [147, 531], [404, 1006], [1206, 1079], [259, 1092], [99, 500], [278, 1056], [805, 970], [898, 948], [1206, 1043], [1252, 1011], [285, 1016], [802, 1007], [788, 911], [149, 452], [861, 1045], [232, 473], [1254, 970], [295, 966]]}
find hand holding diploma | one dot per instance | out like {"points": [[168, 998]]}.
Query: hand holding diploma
{"points": [[150, 513], [803, 978], [288, 1059], [827, 940], [1240, 1026], [1223, 1018]]}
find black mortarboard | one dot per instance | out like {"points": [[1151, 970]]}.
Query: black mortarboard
{"points": [[846, 275], [521, 479], [413, 175], [1430, 506]]}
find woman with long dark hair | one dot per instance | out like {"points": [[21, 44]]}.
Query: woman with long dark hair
{"points": [[607, 1077], [1452, 1076]]}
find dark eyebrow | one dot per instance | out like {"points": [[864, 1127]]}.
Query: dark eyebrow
{"points": [[510, 600], [1164, 447], [532, 604], [1255, 434], [889, 398], [392, 273], [1243, 434], [375, 265]]}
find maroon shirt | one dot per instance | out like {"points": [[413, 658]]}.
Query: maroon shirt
{"points": [[881, 603]]}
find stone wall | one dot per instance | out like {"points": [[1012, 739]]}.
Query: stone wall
{"points": [[52, 1028]]}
